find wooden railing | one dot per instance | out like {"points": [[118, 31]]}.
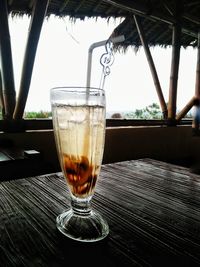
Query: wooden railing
{"points": [[42, 124]]}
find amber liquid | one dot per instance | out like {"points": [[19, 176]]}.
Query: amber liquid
{"points": [[80, 134]]}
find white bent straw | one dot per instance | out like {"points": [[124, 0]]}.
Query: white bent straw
{"points": [[90, 50]]}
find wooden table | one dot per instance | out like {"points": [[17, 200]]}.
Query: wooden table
{"points": [[152, 207]]}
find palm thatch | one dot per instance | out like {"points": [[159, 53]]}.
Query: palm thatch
{"points": [[144, 23], [157, 17]]}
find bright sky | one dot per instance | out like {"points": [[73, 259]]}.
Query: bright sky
{"points": [[62, 55]]}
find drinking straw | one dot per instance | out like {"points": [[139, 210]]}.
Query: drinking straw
{"points": [[95, 45], [106, 61], [89, 67]]}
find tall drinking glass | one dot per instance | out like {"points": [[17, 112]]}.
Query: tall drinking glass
{"points": [[79, 129]]}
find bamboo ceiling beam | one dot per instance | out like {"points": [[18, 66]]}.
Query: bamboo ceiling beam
{"points": [[167, 7], [97, 6], [10, 2], [140, 9], [38, 15], [79, 6], [192, 3], [151, 65], [8, 86], [63, 6], [109, 10], [146, 11], [31, 4], [192, 19]]}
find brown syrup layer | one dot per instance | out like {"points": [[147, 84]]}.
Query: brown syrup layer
{"points": [[80, 174]]}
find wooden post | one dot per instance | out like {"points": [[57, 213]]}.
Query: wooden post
{"points": [[176, 45], [38, 16], [195, 99], [196, 119], [197, 83], [152, 66], [1, 97], [8, 86]]}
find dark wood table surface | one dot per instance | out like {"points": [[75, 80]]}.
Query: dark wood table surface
{"points": [[152, 207]]}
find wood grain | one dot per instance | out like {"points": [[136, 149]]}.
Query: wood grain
{"points": [[152, 209]]}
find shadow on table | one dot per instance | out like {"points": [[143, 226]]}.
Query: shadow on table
{"points": [[83, 253]]}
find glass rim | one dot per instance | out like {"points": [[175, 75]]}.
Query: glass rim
{"points": [[79, 88]]}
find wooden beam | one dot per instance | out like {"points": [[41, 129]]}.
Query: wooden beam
{"points": [[176, 45], [185, 110], [79, 6], [46, 124], [97, 6], [1, 97], [31, 4], [8, 89], [192, 3], [137, 8], [38, 16], [195, 99], [174, 72], [191, 18], [140, 9], [167, 7], [151, 65], [10, 2], [197, 82], [63, 6], [196, 122]]}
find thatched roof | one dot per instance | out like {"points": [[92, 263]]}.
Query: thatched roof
{"points": [[73, 8], [146, 22], [157, 16]]}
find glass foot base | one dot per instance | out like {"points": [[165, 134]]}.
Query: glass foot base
{"points": [[88, 228]]}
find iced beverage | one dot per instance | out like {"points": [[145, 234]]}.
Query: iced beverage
{"points": [[78, 115], [80, 135]]}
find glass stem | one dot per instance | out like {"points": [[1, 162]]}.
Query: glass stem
{"points": [[81, 207]]}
